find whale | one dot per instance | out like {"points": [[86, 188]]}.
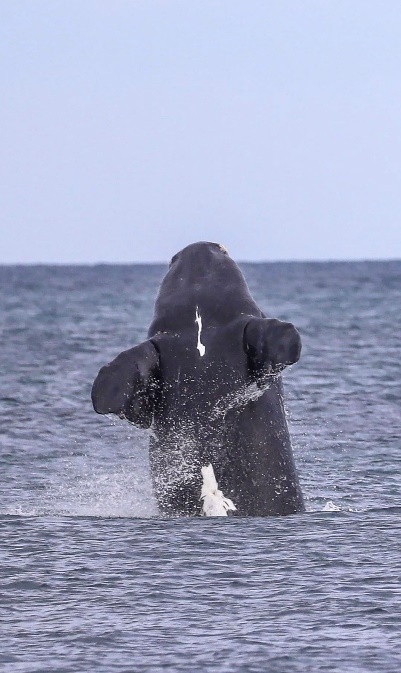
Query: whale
{"points": [[207, 384]]}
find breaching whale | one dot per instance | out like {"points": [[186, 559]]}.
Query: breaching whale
{"points": [[207, 382]]}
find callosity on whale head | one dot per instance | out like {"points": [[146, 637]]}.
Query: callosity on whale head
{"points": [[207, 381]]}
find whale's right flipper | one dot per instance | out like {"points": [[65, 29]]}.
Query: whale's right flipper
{"points": [[128, 385]]}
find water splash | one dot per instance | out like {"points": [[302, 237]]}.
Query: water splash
{"points": [[330, 506], [241, 397], [84, 489], [124, 491]]}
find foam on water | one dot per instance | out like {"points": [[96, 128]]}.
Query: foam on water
{"points": [[330, 506]]}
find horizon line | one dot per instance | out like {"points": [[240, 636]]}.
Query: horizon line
{"points": [[327, 260]]}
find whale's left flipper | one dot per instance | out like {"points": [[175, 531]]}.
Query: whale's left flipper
{"points": [[128, 385], [271, 345]]}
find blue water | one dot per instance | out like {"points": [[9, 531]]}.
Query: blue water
{"points": [[92, 580]]}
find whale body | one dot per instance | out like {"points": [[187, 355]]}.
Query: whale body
{"points": [[207, 383]]}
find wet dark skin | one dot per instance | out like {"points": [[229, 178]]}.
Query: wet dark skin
{"points": [[220, 404]]}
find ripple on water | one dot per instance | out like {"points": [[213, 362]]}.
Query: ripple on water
{"points": [[298, 592], [92, 580]]}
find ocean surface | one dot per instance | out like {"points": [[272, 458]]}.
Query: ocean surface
{"points": [[91, 579]]}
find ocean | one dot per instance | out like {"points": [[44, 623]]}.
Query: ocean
{"points": [[91, 579]]}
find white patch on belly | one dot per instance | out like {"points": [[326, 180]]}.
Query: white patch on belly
{"points": [[200, 346], [214, 502]]}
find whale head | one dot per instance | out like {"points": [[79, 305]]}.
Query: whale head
{"points": [[201, 275]]}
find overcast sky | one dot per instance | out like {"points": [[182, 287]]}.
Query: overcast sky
{"points": [[130, 128]]}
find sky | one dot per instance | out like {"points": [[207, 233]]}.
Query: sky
{"points": [[131, 128]]}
